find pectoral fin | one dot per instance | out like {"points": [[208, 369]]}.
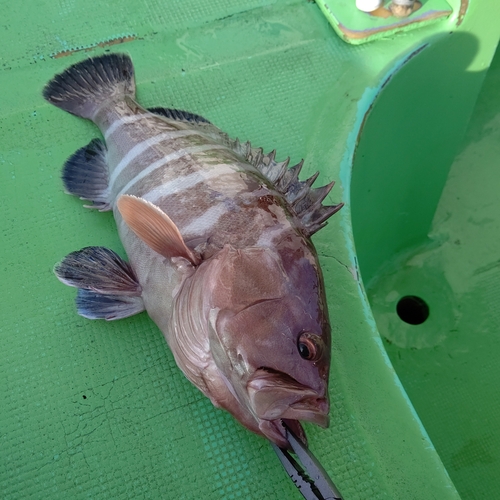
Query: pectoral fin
{"points": [[154, 227]]}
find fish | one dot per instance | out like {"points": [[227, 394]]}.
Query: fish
{"points": [[218, 240]]}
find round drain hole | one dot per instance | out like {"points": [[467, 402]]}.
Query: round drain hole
{"points": [[412, 310]]}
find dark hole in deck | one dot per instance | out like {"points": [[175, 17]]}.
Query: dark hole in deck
{"points": [[412, 310]]}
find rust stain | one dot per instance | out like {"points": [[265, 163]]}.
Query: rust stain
{"points": [[398, 25], [108, 43], [464, 5], [381, 12]]}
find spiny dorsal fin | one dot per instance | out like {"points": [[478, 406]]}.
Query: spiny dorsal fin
{"points": [[154, 227], [305, 200], [301, 197]]}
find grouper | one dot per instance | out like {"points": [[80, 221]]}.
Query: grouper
{"points": [[217, 234]]}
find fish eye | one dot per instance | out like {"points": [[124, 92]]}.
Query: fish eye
{"points": [[309, 346]]}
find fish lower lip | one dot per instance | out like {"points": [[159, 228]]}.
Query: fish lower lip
{"points": [[275, 395], [274, 431], [311, 410], [317, 418], [316, 405]]}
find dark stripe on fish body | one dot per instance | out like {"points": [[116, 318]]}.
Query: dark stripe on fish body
{"points": [[202, 185], [152, 165], [146, 152], [154, 153], [187, 196]]}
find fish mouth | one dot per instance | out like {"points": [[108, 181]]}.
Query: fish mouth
{"points": [[275, 396]]}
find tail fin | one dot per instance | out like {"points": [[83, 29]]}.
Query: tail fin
{"points": [[82, 89]]}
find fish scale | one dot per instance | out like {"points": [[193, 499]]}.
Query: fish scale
{"points": [[170, 172], [168, 164], [218, 239]]}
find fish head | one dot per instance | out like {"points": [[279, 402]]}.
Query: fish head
{"points": [[270, 336]]}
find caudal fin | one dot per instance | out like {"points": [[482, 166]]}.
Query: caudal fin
{"points": [[82, 89]]}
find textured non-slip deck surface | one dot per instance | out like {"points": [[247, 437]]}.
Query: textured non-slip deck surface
{"points": [[100, 410]]}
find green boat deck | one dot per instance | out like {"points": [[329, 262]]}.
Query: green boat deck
{"points": [[409, 127]]}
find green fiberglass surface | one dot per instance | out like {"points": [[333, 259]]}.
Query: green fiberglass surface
{"points": [[93, 409], [448, 364]]}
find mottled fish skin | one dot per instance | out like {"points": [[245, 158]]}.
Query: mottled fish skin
{"points": [[233, 314], [205, 188]]}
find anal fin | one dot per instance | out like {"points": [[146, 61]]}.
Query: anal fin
{"points": [[92, 305], [85, 174], [108, 288]]}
